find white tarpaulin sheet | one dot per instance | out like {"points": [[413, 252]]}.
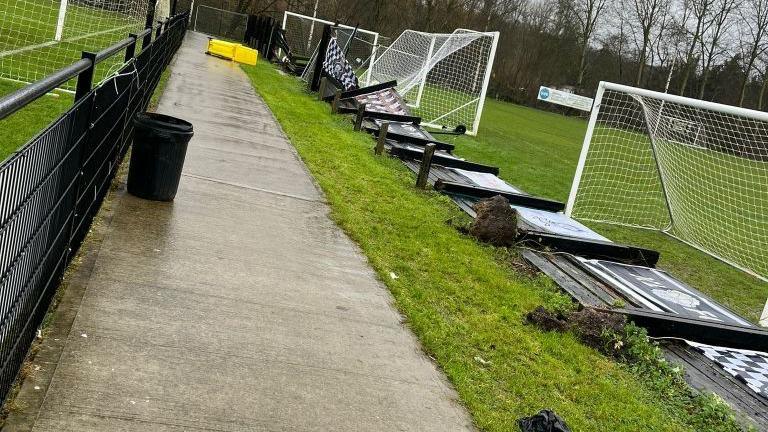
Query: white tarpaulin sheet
{"points": [[487, 180], [557, 223]]}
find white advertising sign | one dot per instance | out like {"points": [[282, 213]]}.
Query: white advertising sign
{"points": [[560, 97]]}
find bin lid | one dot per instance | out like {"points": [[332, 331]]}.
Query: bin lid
{"points": [[162, 121]]}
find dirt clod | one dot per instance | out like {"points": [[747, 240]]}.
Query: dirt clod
{"points": [[590, 325], [495, 223], [547, 320]]}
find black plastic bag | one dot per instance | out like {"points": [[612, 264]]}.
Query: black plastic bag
{"points": [[544, 421]]}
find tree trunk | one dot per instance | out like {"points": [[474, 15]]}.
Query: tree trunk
{"points": [[743, 91], [641, 65], [745, 81], [762, 93], [684, 78], [704, 79], [582, 65]]}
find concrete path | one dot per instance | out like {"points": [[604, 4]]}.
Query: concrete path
{"points": [[240, 306]]}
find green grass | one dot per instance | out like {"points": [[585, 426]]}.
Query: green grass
{"points": [[25, 124], [538, 151], [85, 29], [462, 299]]}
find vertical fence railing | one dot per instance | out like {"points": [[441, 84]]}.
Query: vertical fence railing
{"points": [[52, 188]]}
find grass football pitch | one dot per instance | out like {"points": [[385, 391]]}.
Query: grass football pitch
{"points": [[29, 51], [32, 23]]}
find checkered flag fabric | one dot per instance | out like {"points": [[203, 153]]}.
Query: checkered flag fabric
{"points": [[750, 367], [386, 101], [338, 67]]}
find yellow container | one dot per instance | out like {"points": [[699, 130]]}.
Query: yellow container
{"points": [[246, 55], [220, 48]]}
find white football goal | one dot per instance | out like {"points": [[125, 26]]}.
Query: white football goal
{"points": [[695, 170], [38, 37], [303, 34], [444, 76]]}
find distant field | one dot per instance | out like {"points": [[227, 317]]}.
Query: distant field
{"points": [[538, 151]]}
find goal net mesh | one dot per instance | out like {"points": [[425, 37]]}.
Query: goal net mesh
{"points": [[303, 34], [700, 175], [441, 75], [38, 37]]}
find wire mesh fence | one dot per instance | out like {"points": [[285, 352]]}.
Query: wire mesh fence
{"points": [[220, 23], [51, 189]]}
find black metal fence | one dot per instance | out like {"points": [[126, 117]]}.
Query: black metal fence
{"points": [[51, 189]]}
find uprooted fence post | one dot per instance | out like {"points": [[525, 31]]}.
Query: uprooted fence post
{"points": [[383, 129], [359, 116], [335, 103], [426, 164], [322, 50], [323, 85]]}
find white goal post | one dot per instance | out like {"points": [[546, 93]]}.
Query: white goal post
{"points": [[444, 76], [303, 34], [692, 169]]}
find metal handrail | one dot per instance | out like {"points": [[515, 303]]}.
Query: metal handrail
{"points": [[17, 100], [113, 49]]}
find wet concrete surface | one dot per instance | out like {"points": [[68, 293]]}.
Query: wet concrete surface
{"points": [[239, 306]]}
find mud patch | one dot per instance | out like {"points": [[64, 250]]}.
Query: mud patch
{"points": [[594, 328]]}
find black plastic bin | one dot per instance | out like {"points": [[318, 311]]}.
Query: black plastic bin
{"points": [[159, 147]]}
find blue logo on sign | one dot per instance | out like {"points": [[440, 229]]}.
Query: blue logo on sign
{"points": [[544, 93]]}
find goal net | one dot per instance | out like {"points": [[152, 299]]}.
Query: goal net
{"points": [[695, 170], [38, 37], [303, 34], [443, 75]]}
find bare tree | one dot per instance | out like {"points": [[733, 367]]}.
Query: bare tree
{"points": [[696, 17], [710, 42], [763, 83], [587, 13], [754, 16], [664, 46], [645, 16]]}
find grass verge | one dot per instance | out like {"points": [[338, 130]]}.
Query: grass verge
{"points": [[462, 299]]}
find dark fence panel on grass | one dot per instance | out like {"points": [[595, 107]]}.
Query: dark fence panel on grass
{"points": [[51, 189]]}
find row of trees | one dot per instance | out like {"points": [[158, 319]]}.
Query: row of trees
{"points": [[709, 49]]}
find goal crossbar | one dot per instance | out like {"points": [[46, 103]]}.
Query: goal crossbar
{"points": [[322, 21]]}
